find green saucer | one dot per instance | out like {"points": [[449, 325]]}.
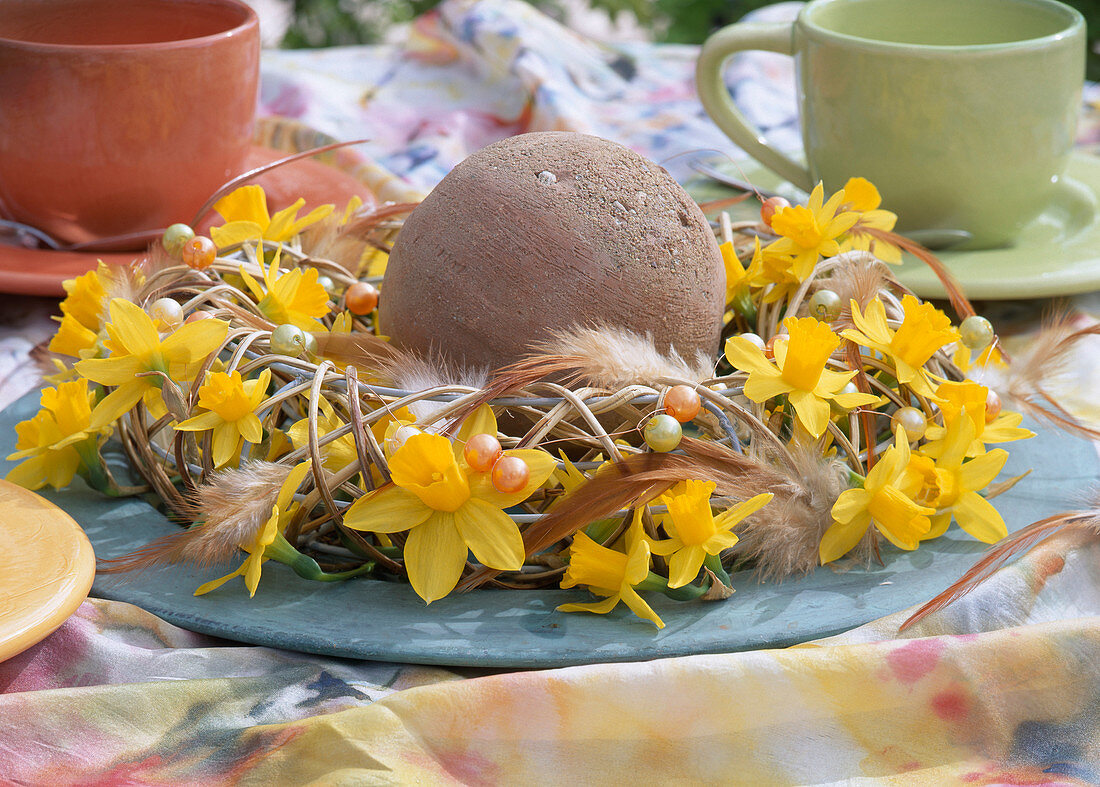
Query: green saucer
{"points": [[1057, 254]]}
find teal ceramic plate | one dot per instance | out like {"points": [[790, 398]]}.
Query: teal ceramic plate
{"points": [[1057, 254], [370, 619]]}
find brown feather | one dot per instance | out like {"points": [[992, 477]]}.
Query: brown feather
{"points": [[231, 506], [1047, 355], [999, 555], [639, 479], [364, 351]]}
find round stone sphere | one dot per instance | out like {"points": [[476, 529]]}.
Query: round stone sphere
{"points": [[546, 231]]}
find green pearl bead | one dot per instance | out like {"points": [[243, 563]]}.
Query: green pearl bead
{"points": [[825, 305], [976, 332], [663, 433], [288, 339], [174, 237], [311, 344]]}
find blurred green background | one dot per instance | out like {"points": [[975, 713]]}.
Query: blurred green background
{"points": [[318, 23]]}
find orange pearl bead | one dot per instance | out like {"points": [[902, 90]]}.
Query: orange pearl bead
{"points": [[992, 405], [510, 474], [769, 347], [482, 452], [361, 298], [199, 315], [682, 402], [199, 253], [770, 207]]}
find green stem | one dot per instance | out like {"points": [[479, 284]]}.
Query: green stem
{"points": [[714, 563], [659, 583], [305, 566], [95, 473], [743, 305]]}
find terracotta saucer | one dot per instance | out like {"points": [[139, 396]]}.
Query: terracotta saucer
{"points": [[41, 271]]}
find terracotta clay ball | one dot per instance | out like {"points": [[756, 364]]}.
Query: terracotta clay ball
{"points": [[546, 231]]}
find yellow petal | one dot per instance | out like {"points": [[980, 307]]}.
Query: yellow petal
{"points": [[762, 386], [226, 444], [684, 566], [850, 504], [293, 481], [199, 423], [482, 421], [214, 584], [978, 517], [435, 555], [939, 526], [235, 232], [841, 537], [871, 323], [540, 465], [110, 371], [731, 516], [389, 510], [116, 404], [250, 428], [746, 356], [247, 203], [598, 607], [981, 470], [133, 327], [253, 566], [30, 474], [639, 607], [194, 340], [812, 411], [490, 534]]}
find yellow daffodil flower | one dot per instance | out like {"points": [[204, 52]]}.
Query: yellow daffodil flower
{"points": [[966, 359], [809, 232], [84, 298], [293, 296], [968, 398], [247, 219], [58, 440], [81, 314], [883, 501], [799, 372], [73, 338], [231, 404], [695, 531], [953, 490], [448, 508], [608, 572], [335, 455], [268, 537], [923, 331], [863, 198], [136, 347]]}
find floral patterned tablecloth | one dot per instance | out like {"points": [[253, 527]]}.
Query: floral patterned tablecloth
{"points": [[1001, 688]]}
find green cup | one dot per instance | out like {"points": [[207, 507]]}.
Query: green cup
{"points": [[961, 112]]}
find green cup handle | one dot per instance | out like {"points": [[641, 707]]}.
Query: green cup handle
{"points": [[719, 104]]}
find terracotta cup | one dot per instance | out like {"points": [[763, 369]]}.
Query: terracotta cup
{"points": [[122, 116]]}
